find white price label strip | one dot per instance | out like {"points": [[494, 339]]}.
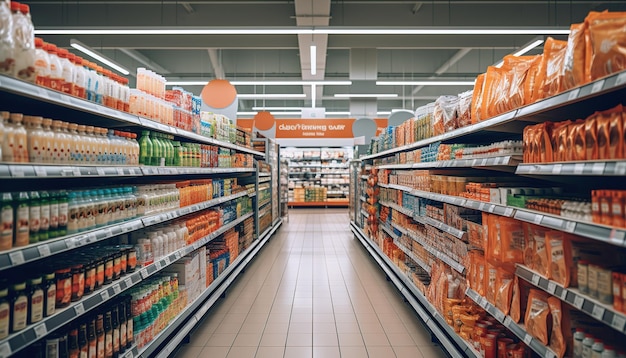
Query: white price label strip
{"points": [[570, 226], [105, 295], [79, 309], [579, 302], [44, 250], [144, 273], [618, 322], [621, 78], [5, 349], [537, 219], [130, 354], [597, 86], [527, 339], [598, 168], [573, 94], [535, 280], [507, 322], [598, 312], [128, 282], [508, 212], [157, 265], [499, 315], [41, 330], [117, 289], [551, 287], [563, 295], [556, 169], [550, 354], [167, 260], [70, 243], [17, 257], [41, 171]]}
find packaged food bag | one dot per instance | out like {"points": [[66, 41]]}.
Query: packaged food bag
{"points": [[551, 70], [607, 41], [504, 290], [559, 247], [537, 312], [477, 99], [557, 340], [464, 107], [574, 62]]}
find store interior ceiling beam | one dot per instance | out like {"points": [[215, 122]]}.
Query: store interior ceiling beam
{"points": [[187, 6], [445, 67], [216, 64], [137, 56]]}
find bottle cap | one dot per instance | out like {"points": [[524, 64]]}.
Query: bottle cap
{"points": [[25, 9], [15, 6], [38, 42]]}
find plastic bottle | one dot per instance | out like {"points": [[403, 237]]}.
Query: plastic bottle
{"points": [[7, 59], [36, 139], [8, 137], [609, 352], [83, 143], [587, 344], [20, 144], [47, 140], [145, 148], [92, 145], [80, 77], [53, 231], [597, 348], [22, 219], [58, 144], [44, 220], [92, 210], [23, 42], [7, 216], [56, 68], [73, 213], [63, 199], [42, 64], [67, 73], [100, 85], [76, 148]]}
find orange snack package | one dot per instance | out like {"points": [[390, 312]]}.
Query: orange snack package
{"points": [[500, 100], [516, 309], [491, 274], [557, 340], [504, 290], [476, 106], [591, 137], [537, 312], [527, 137], [574, 64], [553, 64], [512, 240], [559, 141], [578, 138], [616, 145], [537, 253], [492, 80], [531, 92], [603, 123], [519, 66], [607, 41], [544, 138], [559, 247]]}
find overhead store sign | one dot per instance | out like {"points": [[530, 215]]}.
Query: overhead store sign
{"points": [[309, 128]]}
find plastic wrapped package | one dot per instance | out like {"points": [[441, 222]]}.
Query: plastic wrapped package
{"points": [[444, 114], [424, 118], [536, 257], [557, 340], [504, 290], [574, 69], [559, 247], [554, 58], [490, 94], [500, 100], [537, 312], [531, 83], [516, 298], [464, 109], [477, 99], [607, 43]]}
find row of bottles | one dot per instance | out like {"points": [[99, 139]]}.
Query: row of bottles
{"points": [[32, 139], [17, 47]]}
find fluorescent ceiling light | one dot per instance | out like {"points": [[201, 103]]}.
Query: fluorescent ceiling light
{"points": [[529, 47], [366, 95], [272, 95], [313, 59], [273, 113], [383, 113], [305, 31], [338, 113], [313, 96], [262, 83], [276, 108], [97, 56], [424, 83]]}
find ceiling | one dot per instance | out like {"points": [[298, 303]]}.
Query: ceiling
{"points": [[362, 58]]}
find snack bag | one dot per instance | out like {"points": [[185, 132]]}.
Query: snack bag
{"points": [[490, 282], [464, 107], [559, 247], [492, 80], [553, 64], [532, 81], [477, 95], [445, 114], [519, 66], [537, 312], [504, 290], [513, 242], [557, 341], [607, 41], [536, 256], [516, 298], [578, 138], [591, 138], [574, 63]]}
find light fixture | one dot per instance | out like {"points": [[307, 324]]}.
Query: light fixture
{"points": [[273, 113], [366, 95], [276, 108], [313, 59], [313, 96], [272, 95], [425, 83], [97, 56], [531, 45], [261, 83], [338, 113], [306, 31], [383, 113]]}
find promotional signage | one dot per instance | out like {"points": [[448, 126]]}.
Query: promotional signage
{"points": [[309, 128]]}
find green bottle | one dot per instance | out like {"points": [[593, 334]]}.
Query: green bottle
{"points": [[44, 227], [63, 200], [145, 148], [54, 215], [157, 149], [34, 217], [177, 153], [6, 233], [22, 221], [169, 157]]}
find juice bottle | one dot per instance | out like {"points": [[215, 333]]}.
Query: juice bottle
{"points": [[68, 142], [145, 148], [100, 85], [22, 219], [135, 148], [44, 220], [83, 142], [56, 68], [158, 155], [42, 64], [80, 76], [53, 231], [7, 61], [74, 143], [6, 215], [56, 155], [35, 139], [170, 150], [88, 208], [20, 144], [92, 145], [114, 148], [24, 42], [102, 217], [73, 213], [47, 140], [63, 200], [2, 132], [67, 71], [34, 216]]}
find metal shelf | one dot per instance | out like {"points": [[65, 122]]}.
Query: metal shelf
{"points": [[459, 234], [403, 210], [22, 255], [22, 339], [264, 179], [577, 103], [438, 254], [47, 171], [591, 306], [501, 161], [436, 323], [363, 198], [16, 89], [517, 329], [412, 256], [389, 231], [587, 168]]}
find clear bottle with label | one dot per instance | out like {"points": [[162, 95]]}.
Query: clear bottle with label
{"points": [[74, 144], [7, 59], [7, 137], [20, 139], [609, 352], [145, 149], [7, 216], [5, 311], [19, 307], [50, 293], [587, 344], [63, 200], [34, 207], [80, 76], [36, 139], [67, 71], [47, 140], [100, 85], [53, 230], [73, 213], [597, 348], [56, 68], [58, 140], [44, 221], [22, 219], [35, 300], [83, 143], [91, 214], [23, 42], [108, 336], [42, 64]]}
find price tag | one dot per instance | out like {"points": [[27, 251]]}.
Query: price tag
{"points": [[498, 160], [617, 236], [508, 212], [527, 339], [507, 322], [76, 171], [41, 171], [104, 295], [535, 280], [621, 78], [481, 207], [130, 354], [598, 312], [167, 260], [17, 257], [128, 282], [564, 295], [579, 168], [16, 171], [578, 302], [551, 287], [620, 168], [597, 86], [556, 169], [120, 171], [618, 322], [491, 208], [100, 171], [79, 309], [573, 94], [41, 330], [144, 273], [44, 250], [177, 255], [70, 243], [117, 289], [5, 350], [537, 219], [550, 354], [598, 168], [158, 265], [570, 226], [499, 315]]}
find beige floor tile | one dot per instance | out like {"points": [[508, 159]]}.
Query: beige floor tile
{"points": [[221, 340], [298, 352], [324, 327], [277, 328], [273, 340], [395, 327], [375, 339], [345, 317], [432, 351], [325, 340], [252, 328], [323, 317], [270, 352], [214, 352], [188, 351], [299, 339], [352, 352], [278, 318], [371, 328], [200, 340], [400, 339], [326, 352], [380, 352], [350, 339], [247, 339], [408, 352], [228, 327], [242, 352], [301, 318], [348, 327], [301, 327], [256, 318]]}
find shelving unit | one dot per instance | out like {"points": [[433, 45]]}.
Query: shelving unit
{"points": [[596, 174], [318, 176], [21, 97]]}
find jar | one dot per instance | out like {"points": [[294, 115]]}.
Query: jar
{"points": [[123, 261], [19, 307], [5, 312], [117, 265], [49, 294], [131, 259], [90, 277], [35, 300], [78, 282], [64, 287], [99, 273], [108, 269]]}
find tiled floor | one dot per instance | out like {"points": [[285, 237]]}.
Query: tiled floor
{"points": [[312, 292]]}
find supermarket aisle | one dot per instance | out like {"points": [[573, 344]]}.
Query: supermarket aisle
{"points": [[312, 291]]}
